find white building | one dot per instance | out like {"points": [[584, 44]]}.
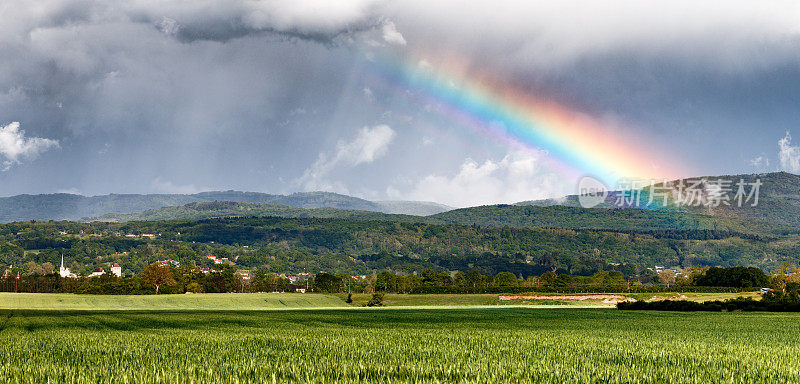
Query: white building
{"points": [[64, 271], [116, 270], [97, 272]]}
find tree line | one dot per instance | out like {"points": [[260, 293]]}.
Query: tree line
{"points": [[163, 278]]}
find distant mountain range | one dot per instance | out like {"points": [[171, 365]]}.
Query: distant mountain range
{"points": [[777, 212], [63, 206]]}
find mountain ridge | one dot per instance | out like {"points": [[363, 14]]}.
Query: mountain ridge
{"points": [[65, 206]]}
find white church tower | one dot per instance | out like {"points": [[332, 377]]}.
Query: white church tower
{"points": [[63, 271]]}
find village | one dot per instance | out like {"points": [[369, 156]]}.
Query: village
{"points": [[300, 282]]}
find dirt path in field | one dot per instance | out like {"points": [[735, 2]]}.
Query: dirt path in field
{"points": [[673, 297], [605, 297]]}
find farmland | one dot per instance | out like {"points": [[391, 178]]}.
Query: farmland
{"points": [[204, 302], [274, 301], [475, 345]]}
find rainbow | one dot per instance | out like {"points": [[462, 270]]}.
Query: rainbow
{"points": [[578, 143]]}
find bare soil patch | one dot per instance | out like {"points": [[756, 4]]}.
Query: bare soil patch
{"points": [[606, 298]]}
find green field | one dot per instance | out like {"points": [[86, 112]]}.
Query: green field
{"points": [[478, 345], [395, 300], [206, 301], [270, 301]]}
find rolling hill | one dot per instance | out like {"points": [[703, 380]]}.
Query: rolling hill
{"points": [[777, 212], [63, 206], [492, 216], [778, 204], [216, 209]]}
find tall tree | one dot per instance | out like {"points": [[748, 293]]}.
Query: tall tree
{"points": [[157, 275], [667, 277]]}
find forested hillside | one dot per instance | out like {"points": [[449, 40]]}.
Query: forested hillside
{"points": [[485, 216], [778, 199], [601, 218], [292, 245], [196, 211], [300, 236]]}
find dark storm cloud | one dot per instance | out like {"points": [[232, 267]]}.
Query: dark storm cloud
{"points": [[225, 30], [147, 95]]}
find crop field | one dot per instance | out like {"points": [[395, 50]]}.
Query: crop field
{"points": [[271, 301], [426, 300], [206, 301], [471, 345]]}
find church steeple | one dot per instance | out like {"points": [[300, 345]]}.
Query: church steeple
{"points": [[63, 271]]}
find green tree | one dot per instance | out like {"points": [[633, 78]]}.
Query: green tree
{"points": [[608, 279], [563, 281], [48, 268], [157, 275], [376, 300], [667, 277], [548, 278], [187, 274], [386, 281], [505, 279], [30, 268], [689, 275], [474, 278], [325, 282], [194, 287]]}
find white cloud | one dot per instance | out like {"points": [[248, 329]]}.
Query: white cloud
{"points": [[71, 191], [368, 93], [14, 146], [367, 146], [391, 35], [311, 15], [165, 186], [517, 177], [789, 155], [760, 162]]}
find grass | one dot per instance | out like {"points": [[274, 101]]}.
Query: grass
{"points": [[449, 300], [693, 296], [405, 300], [478, 345], [206, 301], [267, 301]]}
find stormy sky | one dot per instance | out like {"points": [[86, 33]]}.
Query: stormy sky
{"points": [[171, 96]]}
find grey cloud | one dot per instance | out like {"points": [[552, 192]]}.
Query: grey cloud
{"points": [[202, 93], [321, 21], [733, 36], [130, 104], [216, 20]]}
